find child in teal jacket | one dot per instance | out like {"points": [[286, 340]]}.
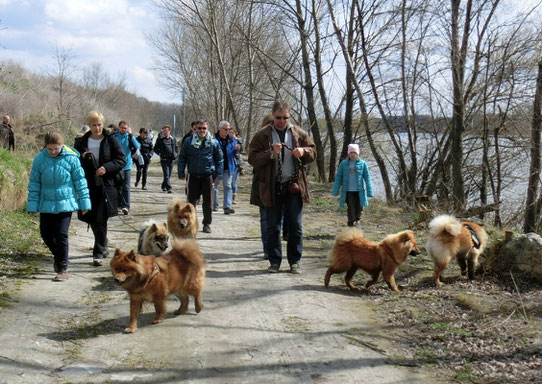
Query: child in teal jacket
{"points": [[57, 188], [354, 178]]}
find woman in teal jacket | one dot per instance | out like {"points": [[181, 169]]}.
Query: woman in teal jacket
{"points": [[57, 188], [354, 178]]}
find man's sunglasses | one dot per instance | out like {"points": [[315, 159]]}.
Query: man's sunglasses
{"points": [[281, 117], [201, 128]]}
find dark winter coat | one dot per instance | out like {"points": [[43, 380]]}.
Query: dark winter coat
{"points": [[259, 156], [166, 148], [112, 158], [145, 148]]}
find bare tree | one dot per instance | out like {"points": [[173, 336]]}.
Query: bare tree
{"points": [[62, 75]]}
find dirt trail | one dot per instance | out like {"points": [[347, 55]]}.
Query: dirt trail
{"points": [[255, 327]]}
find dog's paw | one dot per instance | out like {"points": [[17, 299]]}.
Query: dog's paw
{"points": [[130, 330], [157, 321]]}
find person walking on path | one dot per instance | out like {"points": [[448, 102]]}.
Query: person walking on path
{"points": [[166, 148], [354, 179], [103, 160], [129, 145], [279, 152], [202, 156], [229, 147], [146, 150], [7, 134], [238, 164], [57, 188]]}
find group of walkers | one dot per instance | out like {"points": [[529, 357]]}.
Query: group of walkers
{"points": [[93, 178]]}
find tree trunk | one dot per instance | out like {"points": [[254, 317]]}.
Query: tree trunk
{"points": [[534, 169]]}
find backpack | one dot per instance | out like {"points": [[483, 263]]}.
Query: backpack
{"points": [[136, 154]]}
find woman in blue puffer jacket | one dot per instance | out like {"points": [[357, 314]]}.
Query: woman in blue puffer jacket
{"points": [[57, 188]]}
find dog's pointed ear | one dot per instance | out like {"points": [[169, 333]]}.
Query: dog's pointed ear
{"points": [[117, 252], [153, 227], [405, 237], [165, 225], [132, 255]]}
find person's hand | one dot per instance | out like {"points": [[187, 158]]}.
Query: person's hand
{"points": [[276, 148], [84, 212], [298, 152], [237, 147], [101, 171]]}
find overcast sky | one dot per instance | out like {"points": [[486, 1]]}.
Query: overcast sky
{"points": [[109, 31]]}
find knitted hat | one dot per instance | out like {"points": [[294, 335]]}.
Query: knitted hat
{"points": [[353, 148]]}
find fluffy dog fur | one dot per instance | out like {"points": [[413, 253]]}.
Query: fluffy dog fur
{"points": [[182, 220], [450, 238], [153, 239], [180, 272], [352, 251]]}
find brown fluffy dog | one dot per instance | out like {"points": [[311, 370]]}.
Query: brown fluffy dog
{"points": [[352, 251], [153, 239], [182, 220], [449, 238], [180, 272]]}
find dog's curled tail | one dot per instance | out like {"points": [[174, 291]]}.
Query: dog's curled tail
{"points": [[189, 250], [444, 223], [344, 237]]}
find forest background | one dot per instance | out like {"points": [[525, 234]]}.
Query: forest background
{"points": [[443, 96]]}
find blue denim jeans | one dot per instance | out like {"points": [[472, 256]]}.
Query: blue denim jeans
{"points": [[227, 186], [124, 191], [54, 232], [263, 229], [292, 206], [234, 180], [167, 168]]}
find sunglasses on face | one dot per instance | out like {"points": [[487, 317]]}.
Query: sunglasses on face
{"points": [[281, 117], [201, 128]]}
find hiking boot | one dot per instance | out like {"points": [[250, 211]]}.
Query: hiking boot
{"points": [[273, 268], [61, 276], [169, 191], [164, 189], [228, 211], [144, 188], [294, 269], [206, 228], [124, 211], [97, 262]]}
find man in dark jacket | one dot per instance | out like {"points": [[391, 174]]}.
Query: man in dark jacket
{"points": [[166, 148], [102, 159], [7, 134], [278, 154], [203, 157]]}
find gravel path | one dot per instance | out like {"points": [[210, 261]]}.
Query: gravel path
{"points": [[255, 327]]}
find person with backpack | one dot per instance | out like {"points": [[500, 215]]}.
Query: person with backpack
{"points": [[130, 146], [166, 148], [146, 151]]}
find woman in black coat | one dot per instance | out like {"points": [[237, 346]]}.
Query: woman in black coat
{"points": [[102, 158]]}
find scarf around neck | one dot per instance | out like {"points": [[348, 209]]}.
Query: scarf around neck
{"points": [[196, 141]]}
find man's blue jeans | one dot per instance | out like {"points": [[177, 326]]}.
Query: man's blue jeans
{"points": [[167, 167], [124, 191], [227, 185], [293, 214]]}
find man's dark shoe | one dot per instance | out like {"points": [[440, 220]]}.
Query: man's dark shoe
{"points": [[169, 191], [228, 211], [164, 189], [294, 269], [144, 188], [206, 228], [97, 261], [273, 268], [136, 184]]}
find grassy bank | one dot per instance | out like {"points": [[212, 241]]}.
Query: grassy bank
{"points": [[21, 248]]}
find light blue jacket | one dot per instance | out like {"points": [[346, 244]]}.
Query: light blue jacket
{"points": [[57, 184], [124, 142], [364, 182]]}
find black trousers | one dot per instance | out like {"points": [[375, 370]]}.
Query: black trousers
{"points": [[202, 186], [354, 207], [54, 232], [142, 172]]}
